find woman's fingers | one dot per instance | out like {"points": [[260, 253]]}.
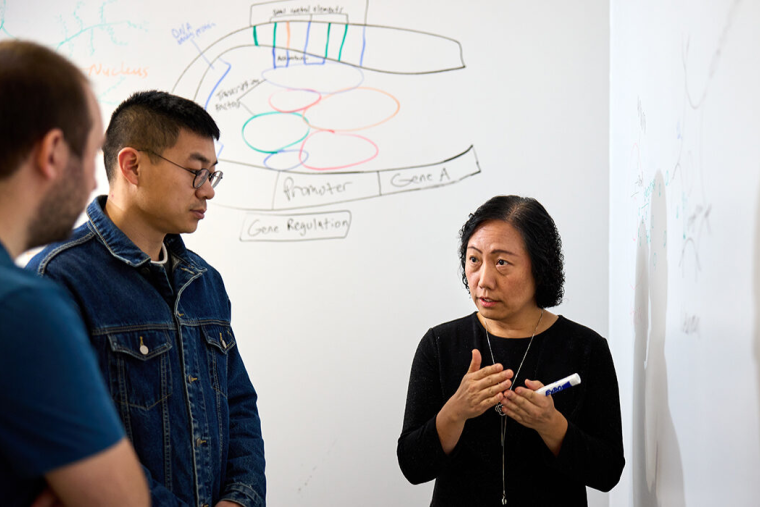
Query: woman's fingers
{"points": [[475, 363], [486, 372], [495, 378], [490, 387], [481, 388], [491, 401], [527, 407]]}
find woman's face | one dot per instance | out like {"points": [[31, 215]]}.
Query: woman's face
{"points": [[498, 271]]}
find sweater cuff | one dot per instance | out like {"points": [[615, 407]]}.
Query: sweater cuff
{"points": [[563, 461]]}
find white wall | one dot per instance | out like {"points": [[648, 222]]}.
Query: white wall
{"points": [[684, 249], [328, 328]]}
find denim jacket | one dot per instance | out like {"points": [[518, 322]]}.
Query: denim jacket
{"points": [[169, 358]]}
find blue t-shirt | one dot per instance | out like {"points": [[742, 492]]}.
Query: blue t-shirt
{"points": [[54, 408]]}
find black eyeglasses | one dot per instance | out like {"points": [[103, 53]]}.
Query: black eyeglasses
{"points": [[201, 175]]}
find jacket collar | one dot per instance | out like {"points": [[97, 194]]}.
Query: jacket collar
{"points": [[118, 244]]}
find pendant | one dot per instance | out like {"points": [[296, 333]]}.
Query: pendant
{"points": [[504, 500], [499, 409]]}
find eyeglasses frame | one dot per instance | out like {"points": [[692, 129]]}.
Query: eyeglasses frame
{"points": [[213, 177]]}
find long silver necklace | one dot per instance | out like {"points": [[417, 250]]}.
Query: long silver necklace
{"points": [[500, 409]]}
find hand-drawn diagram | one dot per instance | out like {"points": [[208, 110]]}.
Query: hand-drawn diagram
{"points": [[3, 30], [81, 34], [692, 204], [671, 171], [685, 177], [309, 101]]}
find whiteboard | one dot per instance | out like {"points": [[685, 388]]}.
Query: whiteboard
{"points": [[685, 249], [336, 229]]}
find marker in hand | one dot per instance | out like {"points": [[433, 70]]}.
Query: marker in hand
{"points": [[555, 387]]}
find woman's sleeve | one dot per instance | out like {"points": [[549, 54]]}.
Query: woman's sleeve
{"points": [[419, 450], [592, 451]]}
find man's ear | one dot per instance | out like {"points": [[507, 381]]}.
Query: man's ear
{"points": [[129, 164], [52, 154]]}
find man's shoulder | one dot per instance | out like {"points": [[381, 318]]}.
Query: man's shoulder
{"points": [[28, 300], [56, 255], [197, 259], [200, 263], [16, 282]]}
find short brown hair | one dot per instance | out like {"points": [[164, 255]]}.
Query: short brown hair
{"points": [[39, 91]]}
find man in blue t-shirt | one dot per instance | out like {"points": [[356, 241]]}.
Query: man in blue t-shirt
{"points": [[60, 438]]}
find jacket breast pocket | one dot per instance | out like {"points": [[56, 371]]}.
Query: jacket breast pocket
{"points": [[140, 367], [219, 341]]}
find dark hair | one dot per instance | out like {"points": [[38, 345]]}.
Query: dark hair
{"points": [[39, 91], [540, 235], [152, 120]]}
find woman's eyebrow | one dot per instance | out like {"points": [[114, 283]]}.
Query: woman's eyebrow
{"points": [[494, 251]]}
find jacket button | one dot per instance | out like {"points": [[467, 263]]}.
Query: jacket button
{"points": [[143, 348]]}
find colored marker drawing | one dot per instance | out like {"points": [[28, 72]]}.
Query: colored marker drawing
{"points": [[87, 33], [318, 107]]}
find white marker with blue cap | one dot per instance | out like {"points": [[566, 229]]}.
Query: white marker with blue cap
{"points": [[555, 387]]}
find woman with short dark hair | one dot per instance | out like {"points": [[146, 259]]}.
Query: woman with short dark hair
{"points": [[474, 421]]}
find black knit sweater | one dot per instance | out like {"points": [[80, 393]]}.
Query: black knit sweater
{"points": [[591, 453]]}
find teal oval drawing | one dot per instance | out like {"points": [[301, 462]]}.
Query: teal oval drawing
{"points": [[277, 145]]}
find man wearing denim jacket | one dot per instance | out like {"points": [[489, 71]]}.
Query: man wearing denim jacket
{"points": [[158, 315]]}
